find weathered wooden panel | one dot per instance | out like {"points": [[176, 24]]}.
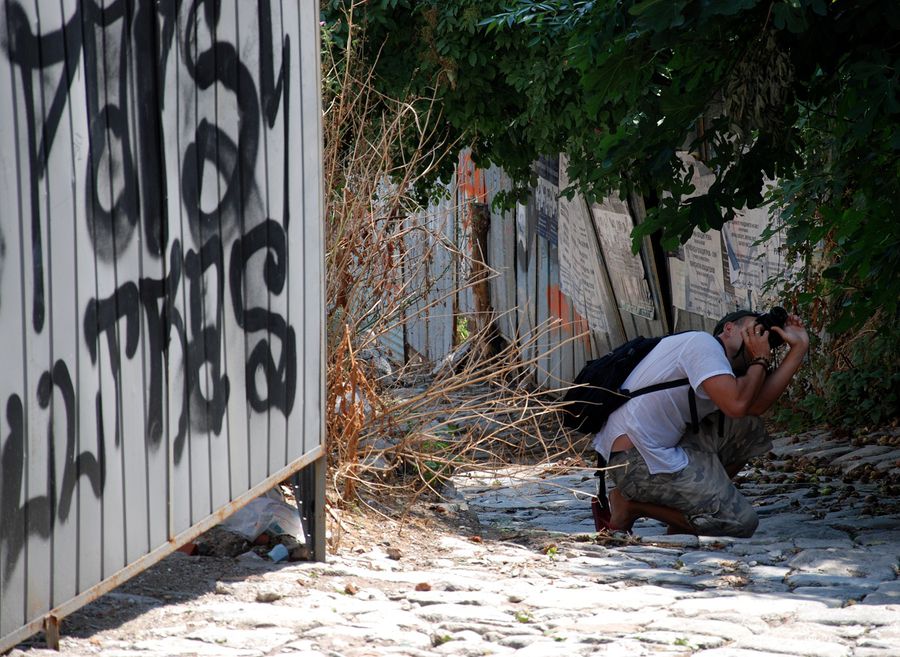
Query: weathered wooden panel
{"points": [[161, 281], [565, 269], [543, 323], [442, 290], [470, 190], [502, 256], [431, 271], [701, 290], [416, 277], [527, 281], [639, 311], [616, 288], [584, 276]]}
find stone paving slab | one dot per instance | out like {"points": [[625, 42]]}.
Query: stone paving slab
{"points": [[818, 579]]}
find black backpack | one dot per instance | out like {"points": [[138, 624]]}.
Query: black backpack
{"points": [[598, 387]]}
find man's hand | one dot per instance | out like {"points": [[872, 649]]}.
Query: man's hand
{"points": [[756, 342], [794, 333]]}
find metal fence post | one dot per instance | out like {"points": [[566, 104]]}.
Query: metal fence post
{"points": [[309, 491]]}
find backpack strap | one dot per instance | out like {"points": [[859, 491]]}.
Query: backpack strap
{"points": [[601, 482], [692, 400], [665, 385]]}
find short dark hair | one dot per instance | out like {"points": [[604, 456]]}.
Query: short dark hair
{"points": [[733, 317]]}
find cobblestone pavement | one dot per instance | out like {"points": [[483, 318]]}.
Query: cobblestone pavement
{"points": [[818, 579]]}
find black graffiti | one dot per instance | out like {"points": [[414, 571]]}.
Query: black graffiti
{"points": [[31, 52], [112, 186], [204, 354], [103, 316], [234, 162], [147, 89], [272, 91], [125, 32], [118, 190], [281, 379], [36, 510], [37, 514], [125, 47], [113, 216], [162, 321], [85, 464], [205, 387], [201, 340]]}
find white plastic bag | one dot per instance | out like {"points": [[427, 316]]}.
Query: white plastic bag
{"points": [[267, 513]]}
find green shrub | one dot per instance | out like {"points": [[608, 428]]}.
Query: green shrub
{"points": [[850, 382]]}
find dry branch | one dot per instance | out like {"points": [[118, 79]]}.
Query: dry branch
{"points": [[397, 430]]}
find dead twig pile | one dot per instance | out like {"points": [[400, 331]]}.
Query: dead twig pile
{"points": [[398, 426]]}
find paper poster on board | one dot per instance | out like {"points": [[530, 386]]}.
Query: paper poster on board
{"points": [[698, 267], [695, 270], [579, 264], [546, 198], [753, 263], [626, 270]]}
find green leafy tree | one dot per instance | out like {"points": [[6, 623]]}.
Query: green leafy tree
{"points": [[802, 91]]}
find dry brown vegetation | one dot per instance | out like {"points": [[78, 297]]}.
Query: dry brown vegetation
{"points": [[397, 430]]}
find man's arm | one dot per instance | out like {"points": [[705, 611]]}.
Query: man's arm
{"points": [[794, 334], [736, 396]]}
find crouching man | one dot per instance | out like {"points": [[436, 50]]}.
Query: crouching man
{"points": [[682, 477]]}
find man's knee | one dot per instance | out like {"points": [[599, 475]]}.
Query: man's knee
{"points": [[737, 525], [747, 427], [747, 525], [743, 439]]}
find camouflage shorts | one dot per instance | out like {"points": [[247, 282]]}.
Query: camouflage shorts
{"points": [[702, 491]]}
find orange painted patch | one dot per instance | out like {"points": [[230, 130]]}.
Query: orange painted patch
{"points": [[470, 180], [561, 309]]}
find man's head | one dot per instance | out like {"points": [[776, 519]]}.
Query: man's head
{"points": [[777, 316], [730, 329], [733, 318]]}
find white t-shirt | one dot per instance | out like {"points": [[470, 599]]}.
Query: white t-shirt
{"points": [[655, 422]]}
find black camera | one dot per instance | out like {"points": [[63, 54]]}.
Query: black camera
{"points": [[775, 317]]}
